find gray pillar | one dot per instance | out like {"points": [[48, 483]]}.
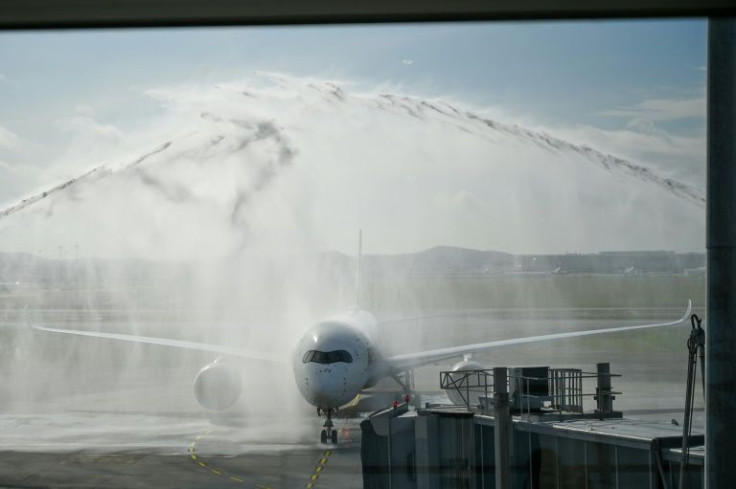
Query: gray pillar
{"points": [[603, 396], [427, 443], [502, 430], [720, 421]]}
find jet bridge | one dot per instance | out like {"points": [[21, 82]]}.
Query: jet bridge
{"points": [[537, 391], [526, 427]]}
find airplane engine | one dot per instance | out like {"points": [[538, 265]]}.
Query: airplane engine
{"points": [[218, 385], [474, 394]]}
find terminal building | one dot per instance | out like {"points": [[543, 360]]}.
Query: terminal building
{"points": [[534, 435]]}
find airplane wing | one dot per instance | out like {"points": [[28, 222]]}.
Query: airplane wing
{"points": [[411, 360], [190, 345]]}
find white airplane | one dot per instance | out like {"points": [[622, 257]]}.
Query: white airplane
{"points": [[335, 360]]}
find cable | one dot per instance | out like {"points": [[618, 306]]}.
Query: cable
{"points": [[695, 346]]}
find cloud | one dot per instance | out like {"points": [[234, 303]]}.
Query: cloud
{"points": [[427, 172], [88, 126], [87, 142], [647, 136], [408, 62], [662, 110], [14, 176], [18, 170], [675, 156], [84, 111], [462, 200], [8, 139]]}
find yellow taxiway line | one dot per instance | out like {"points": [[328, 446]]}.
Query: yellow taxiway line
{"points": [[321, 464]]}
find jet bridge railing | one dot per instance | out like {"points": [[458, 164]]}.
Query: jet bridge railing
{"points": [[468, 384], [561, 390]]}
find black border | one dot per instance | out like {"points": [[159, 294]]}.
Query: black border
{"points": [[68, 14]]}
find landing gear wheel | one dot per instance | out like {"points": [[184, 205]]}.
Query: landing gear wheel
{"points": [[329, 434]]}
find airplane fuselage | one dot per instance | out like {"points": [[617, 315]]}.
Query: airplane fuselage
{"points": [[336, 358]]}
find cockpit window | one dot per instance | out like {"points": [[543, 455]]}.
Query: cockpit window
{"points": [[327, 357]]}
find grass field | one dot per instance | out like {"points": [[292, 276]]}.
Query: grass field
{"points": [[537, 291], [421, 292]]}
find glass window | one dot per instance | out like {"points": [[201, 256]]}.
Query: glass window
{"points": [[327, 357]]}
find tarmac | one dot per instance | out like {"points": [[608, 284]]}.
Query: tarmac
{"points": [[91, 447]]}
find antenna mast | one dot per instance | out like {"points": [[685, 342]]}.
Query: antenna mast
{"points": [[357, 270]]}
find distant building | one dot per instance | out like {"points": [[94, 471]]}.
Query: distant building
{"points": [[623, 262]]}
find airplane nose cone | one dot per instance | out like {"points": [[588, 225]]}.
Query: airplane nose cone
{"points": [[323, 387], [321, 391], [326, 387]]}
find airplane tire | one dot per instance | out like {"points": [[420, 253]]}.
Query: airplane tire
{"points": [[323, 437], [334, 437]]}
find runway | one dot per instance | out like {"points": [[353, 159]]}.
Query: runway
{"points": [[101, 416]]}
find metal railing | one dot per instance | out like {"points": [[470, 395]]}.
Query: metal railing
{"points": [[561, 390], [465, 382]]}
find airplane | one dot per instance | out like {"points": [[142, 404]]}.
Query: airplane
{"points": [[336, 359]]}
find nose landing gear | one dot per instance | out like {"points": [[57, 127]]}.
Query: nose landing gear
{"points": [[329, 433]]}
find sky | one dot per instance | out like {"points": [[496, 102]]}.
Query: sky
{"points": [[635, 89]]}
